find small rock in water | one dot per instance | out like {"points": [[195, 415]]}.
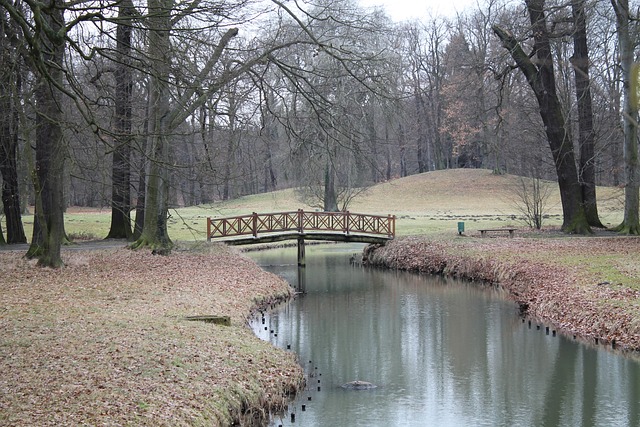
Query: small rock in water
{"points": [[358, 385]]}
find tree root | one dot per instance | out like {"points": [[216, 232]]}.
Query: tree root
{"points": [[627, 229], [578, 227], [162, 247]]}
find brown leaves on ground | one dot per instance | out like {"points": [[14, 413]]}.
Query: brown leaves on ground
{"points": [[103, 341], [584, 286]]}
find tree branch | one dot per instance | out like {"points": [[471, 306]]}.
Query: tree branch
{"points": [[522, 60]]}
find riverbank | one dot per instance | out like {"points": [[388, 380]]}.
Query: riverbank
{"points": [[585, 287], [105, 340]]}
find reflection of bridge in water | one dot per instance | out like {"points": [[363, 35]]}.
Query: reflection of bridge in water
{"points": [[300, 225]]}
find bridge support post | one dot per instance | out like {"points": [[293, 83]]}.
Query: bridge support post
{"points": [[301, 261], [302, 280]]}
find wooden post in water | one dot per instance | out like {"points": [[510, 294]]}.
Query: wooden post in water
{"points": [[301, 262], [302, 280]]}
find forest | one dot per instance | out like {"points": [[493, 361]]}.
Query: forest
{"points": [[145, 106]]}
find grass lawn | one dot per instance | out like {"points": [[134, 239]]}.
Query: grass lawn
{"points": [[427, 204]]}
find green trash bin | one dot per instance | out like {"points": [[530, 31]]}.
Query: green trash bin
{"points": [[461, 227]]}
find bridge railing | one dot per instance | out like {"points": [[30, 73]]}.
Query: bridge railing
{"points": [[301, 221]]}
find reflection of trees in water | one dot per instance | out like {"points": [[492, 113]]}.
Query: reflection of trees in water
{"points": [[443, 348]]}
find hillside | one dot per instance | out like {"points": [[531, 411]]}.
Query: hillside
{"points": [[453, 191], [427, 203], [435, 201]]}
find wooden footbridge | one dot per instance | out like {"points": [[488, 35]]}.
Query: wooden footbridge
{"points": [[300, 225]]}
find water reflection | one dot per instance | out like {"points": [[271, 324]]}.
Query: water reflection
{"points": [[443, 352]]}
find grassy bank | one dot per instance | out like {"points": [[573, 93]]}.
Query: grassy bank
{"points": [[585, 287], [104, 341]]}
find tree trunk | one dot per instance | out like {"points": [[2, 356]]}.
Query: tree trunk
{"points": [[630, 223], [121, 170], [270, 137], [586, 137], [165, 118], [387, 144], [403, 150], [10, 90], [154, 232], [142, 177], [10, 193], [373, 140], [232, 144], [226, 179], [140, 199], [542, 80], [420, 117], [330, 196], [49, 177], [270, 180]]}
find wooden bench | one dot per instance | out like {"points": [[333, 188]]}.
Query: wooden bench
{"points": [[483, 233]]}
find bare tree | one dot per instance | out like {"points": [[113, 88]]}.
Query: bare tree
{"points": [[631, 222], [154, 232], [607, 99], [165, 116], [121, 174], [329, 98], [586, 135], [540, 75], [40, 39], [423, 51], [10, 92], [530, 198]]}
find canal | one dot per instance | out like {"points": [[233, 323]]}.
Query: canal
{"points": [[442, 352]]}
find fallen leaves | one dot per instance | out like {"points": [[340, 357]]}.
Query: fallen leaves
{"points": [[104, 341]]}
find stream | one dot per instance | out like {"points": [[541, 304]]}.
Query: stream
{"points": [[442, 352]]}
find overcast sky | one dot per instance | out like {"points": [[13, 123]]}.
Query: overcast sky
{"points": [[400, 10]]}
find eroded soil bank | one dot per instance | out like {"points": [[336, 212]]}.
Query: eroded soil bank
{"points": [[104, 340], [587, 287]]}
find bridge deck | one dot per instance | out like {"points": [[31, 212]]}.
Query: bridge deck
{"points": [[274, 227], [271, 238]]}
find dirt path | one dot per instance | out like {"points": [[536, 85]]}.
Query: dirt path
{"points": [[89, 245]]}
